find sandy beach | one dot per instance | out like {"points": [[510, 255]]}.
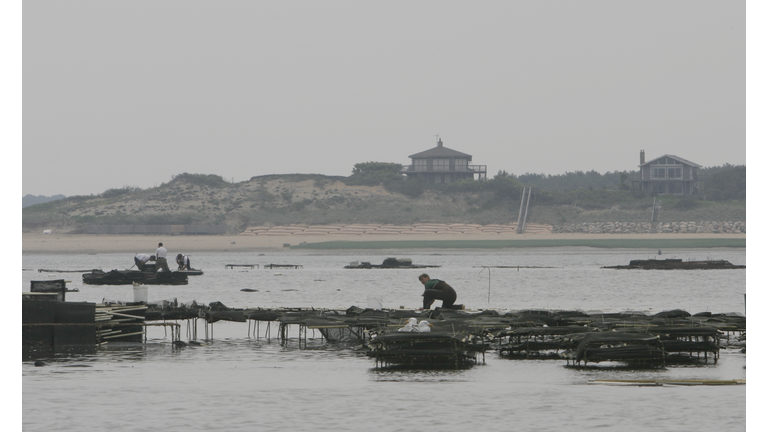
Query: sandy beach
{"points": [[133, 243]]}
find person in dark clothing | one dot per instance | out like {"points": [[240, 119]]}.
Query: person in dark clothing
{"points": [[435, 289]]}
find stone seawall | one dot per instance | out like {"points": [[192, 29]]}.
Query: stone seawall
{"points": [[648, 227]]}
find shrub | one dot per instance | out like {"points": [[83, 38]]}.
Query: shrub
{"points": [[685, 204], [410, 187], [113, 193], [209, 180], [375, 173]]}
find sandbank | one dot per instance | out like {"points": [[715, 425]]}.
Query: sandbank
{"points": [[39, 243]]}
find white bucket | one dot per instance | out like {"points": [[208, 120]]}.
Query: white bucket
{"points": [[140, 294], [374, 303]]}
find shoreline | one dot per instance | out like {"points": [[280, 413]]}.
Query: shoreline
{"points": [[34, 243]]}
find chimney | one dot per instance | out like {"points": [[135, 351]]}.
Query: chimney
{"points": [[439, 142], [642, 157]]}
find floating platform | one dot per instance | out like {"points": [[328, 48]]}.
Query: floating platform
{"points": [[291, 266], [389, 263], [642, 383], [129, 277], [677, 264], [62, 271]]}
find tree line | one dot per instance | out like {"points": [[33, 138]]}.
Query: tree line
{"points": [[720, 183]]}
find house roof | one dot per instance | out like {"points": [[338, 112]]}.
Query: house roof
{"points": [[678, 158], [440, 151]]}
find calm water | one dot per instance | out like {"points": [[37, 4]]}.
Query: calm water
{"points": [[239, 382]]}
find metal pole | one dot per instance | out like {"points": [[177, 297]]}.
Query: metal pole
{"points": [[489, 282]]}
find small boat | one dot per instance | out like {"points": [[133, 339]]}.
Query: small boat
{"points": [[151, 267], [190, 272], [129, 277]]}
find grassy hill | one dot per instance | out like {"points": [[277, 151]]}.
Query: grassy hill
{"points": [[317, 199]]}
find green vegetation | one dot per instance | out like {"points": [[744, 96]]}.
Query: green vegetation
{"points": [[728, 184], [374, 173], [319, 200], [719, 183], [589, 180], [208, 180], [116, 193], [385, 174]]}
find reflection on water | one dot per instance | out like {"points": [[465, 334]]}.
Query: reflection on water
{"points": [[238, 379]]}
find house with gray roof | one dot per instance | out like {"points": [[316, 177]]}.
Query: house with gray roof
{"points": [[668, 175], [442, 165]]}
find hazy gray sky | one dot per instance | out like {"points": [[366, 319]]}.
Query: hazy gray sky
{"points": [[131, 93]]}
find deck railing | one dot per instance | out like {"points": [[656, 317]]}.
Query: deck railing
{"points": [[479, 169]]}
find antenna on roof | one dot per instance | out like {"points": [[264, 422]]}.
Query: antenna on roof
{"points": [[437, 137]]}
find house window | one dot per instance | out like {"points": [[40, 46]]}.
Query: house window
{"points": [[441, 164], [675, 173], [678, 188], [420, 164], [658, 173], [461, 165]]}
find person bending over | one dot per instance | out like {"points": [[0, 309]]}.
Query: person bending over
{"points": [[435, 289], [140, 260], [183, 262]]}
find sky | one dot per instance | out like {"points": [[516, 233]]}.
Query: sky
{"points": [[122, 94], [106, 94]]}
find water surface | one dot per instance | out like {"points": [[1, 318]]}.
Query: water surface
{"points": [[240, 382]]}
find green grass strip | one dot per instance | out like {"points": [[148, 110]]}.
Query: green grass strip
{"points": [[662, 243]]}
